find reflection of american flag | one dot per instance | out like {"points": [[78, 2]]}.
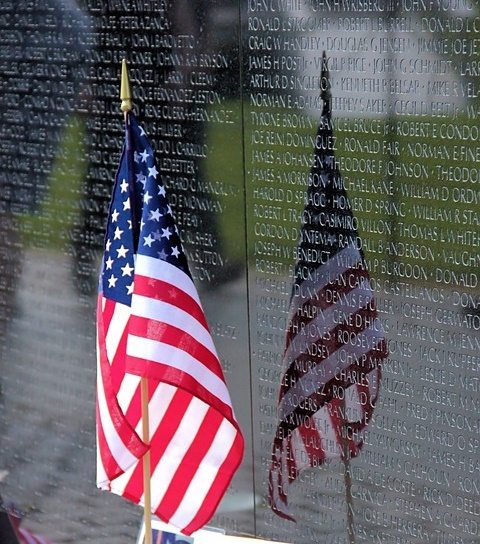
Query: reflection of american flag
{"points": [[334, 340], [150, 323]]}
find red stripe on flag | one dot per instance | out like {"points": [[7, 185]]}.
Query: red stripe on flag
{"points": [[190, 463], [134, 411], [292, 469], [165, 373], [159, 442], [117, 367], [173, 336], [336, 407], [318, 303], [124, 430], [122, 427], [316, 400], [27, 537], [312, 442], [110, 466], [107, 312], [224, 476], [166, 292], [325, 347]]}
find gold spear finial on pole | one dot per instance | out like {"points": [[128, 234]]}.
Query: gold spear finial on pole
{"points": [[125, 90]]}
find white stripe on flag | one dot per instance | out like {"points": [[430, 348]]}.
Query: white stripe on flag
{"points": [[118, 449], [31, 538], [298, 450], [161, 270], [175, 452], [127, 390], [328, 320], [327, 272], [26, 536], [205, 476], [327, 369], [373, 384], [116, 328], [330, 444], [145, 348], [164, 312], [102, 478], [157, 407], [354, 409]]}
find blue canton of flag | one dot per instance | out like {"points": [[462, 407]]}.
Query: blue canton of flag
{"points": [[147, 213], [150, 323]]}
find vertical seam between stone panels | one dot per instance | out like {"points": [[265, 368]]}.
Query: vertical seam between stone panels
{"points": [[247, 276]]}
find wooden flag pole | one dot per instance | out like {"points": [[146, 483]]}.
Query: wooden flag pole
{"points": [[126, 106], [147, 501]]}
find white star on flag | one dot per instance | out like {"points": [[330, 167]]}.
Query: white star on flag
{"points": [[127, 270], [155, 215], [148, 240], [153, 172], [122, 251], [166, 233]]}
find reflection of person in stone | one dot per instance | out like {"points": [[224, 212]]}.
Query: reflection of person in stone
{"points": [[213, 32], [33, 131], [196, 22]]}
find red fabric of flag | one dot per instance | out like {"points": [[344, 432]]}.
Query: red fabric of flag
{"points": [[150, 323], [335, 342]]}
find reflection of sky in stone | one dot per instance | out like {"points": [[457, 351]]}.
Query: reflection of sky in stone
{"points": [[378, 65]]}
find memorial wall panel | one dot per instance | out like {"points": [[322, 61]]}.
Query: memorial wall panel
{"points": [[403, 138], [322, 161]]}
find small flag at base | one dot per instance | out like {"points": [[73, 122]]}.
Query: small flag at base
{"points": [[211, 535], [10, 530]]}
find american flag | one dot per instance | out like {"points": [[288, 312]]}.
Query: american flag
{"points": [[150, 323], [334, 342]]}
